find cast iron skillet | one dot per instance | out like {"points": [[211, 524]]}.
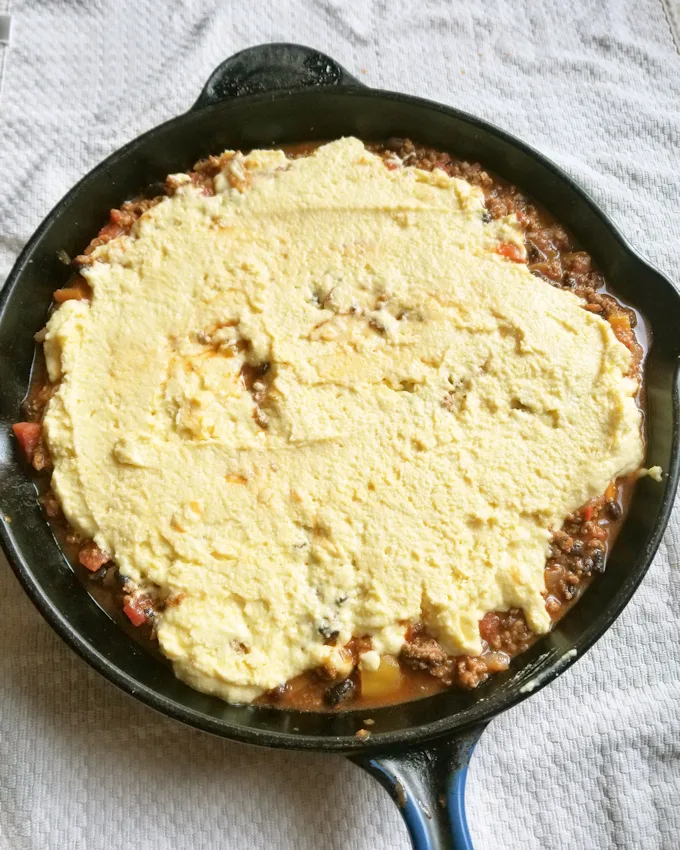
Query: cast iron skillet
{"points": [[271, 95]]}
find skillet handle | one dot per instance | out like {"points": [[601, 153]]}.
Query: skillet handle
{"points": [[428, 785], [272, 67]]}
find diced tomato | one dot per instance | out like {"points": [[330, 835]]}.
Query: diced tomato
{"points": [[28, 436], [110, 231], [587, 513], [92, 557], [119, 217], [489, 626], [134, 611], [199, 180], [511, 252]]}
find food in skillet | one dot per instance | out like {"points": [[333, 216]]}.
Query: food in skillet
{"points": [[329, 427]]}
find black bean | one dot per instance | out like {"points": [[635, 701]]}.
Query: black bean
{"points": [[278, 692], [597, 559], [394, 144], [614, 509], [339, 692], [533, 254], [487, 217], [126, 585], [326, 630]]}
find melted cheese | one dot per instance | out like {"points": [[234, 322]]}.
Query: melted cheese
{"points": [[419, 413]]}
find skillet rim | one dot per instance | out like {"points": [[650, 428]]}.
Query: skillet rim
{"points": [[386, 741]]}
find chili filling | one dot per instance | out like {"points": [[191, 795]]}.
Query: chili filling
{"points": [[578, 551]]}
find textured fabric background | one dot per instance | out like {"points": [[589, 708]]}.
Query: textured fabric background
{"points": [[592, 761], [673, 15]]}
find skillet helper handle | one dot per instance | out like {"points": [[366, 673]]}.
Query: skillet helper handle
{"points": [[269, 68], [428, 785]]}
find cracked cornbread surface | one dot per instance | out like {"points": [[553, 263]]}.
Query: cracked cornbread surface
{"points": [[322, 401]]}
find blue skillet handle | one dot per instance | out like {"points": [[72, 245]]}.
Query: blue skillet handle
{"points": [[272, 67], [428, 785]]}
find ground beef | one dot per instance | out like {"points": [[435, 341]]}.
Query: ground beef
{"points": [[51, 505], [422, 652], [578, 551], [470, 671], [503, 635], [120, 222], [37, 401], [41, 461], [506, 632]]}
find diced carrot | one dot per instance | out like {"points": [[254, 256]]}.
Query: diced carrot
{"points": [[620, 323], [69, 293], [28, 436], [511, 252], [134, 612], [92, 557]]}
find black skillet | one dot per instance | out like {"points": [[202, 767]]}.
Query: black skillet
{"points": [[276, 94]]}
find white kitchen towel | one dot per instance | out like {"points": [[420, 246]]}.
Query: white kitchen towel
{"points": [[673, 15], [5, 34], [591, 762]]}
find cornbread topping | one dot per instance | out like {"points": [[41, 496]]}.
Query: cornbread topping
{"points": [[327, 402]]}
